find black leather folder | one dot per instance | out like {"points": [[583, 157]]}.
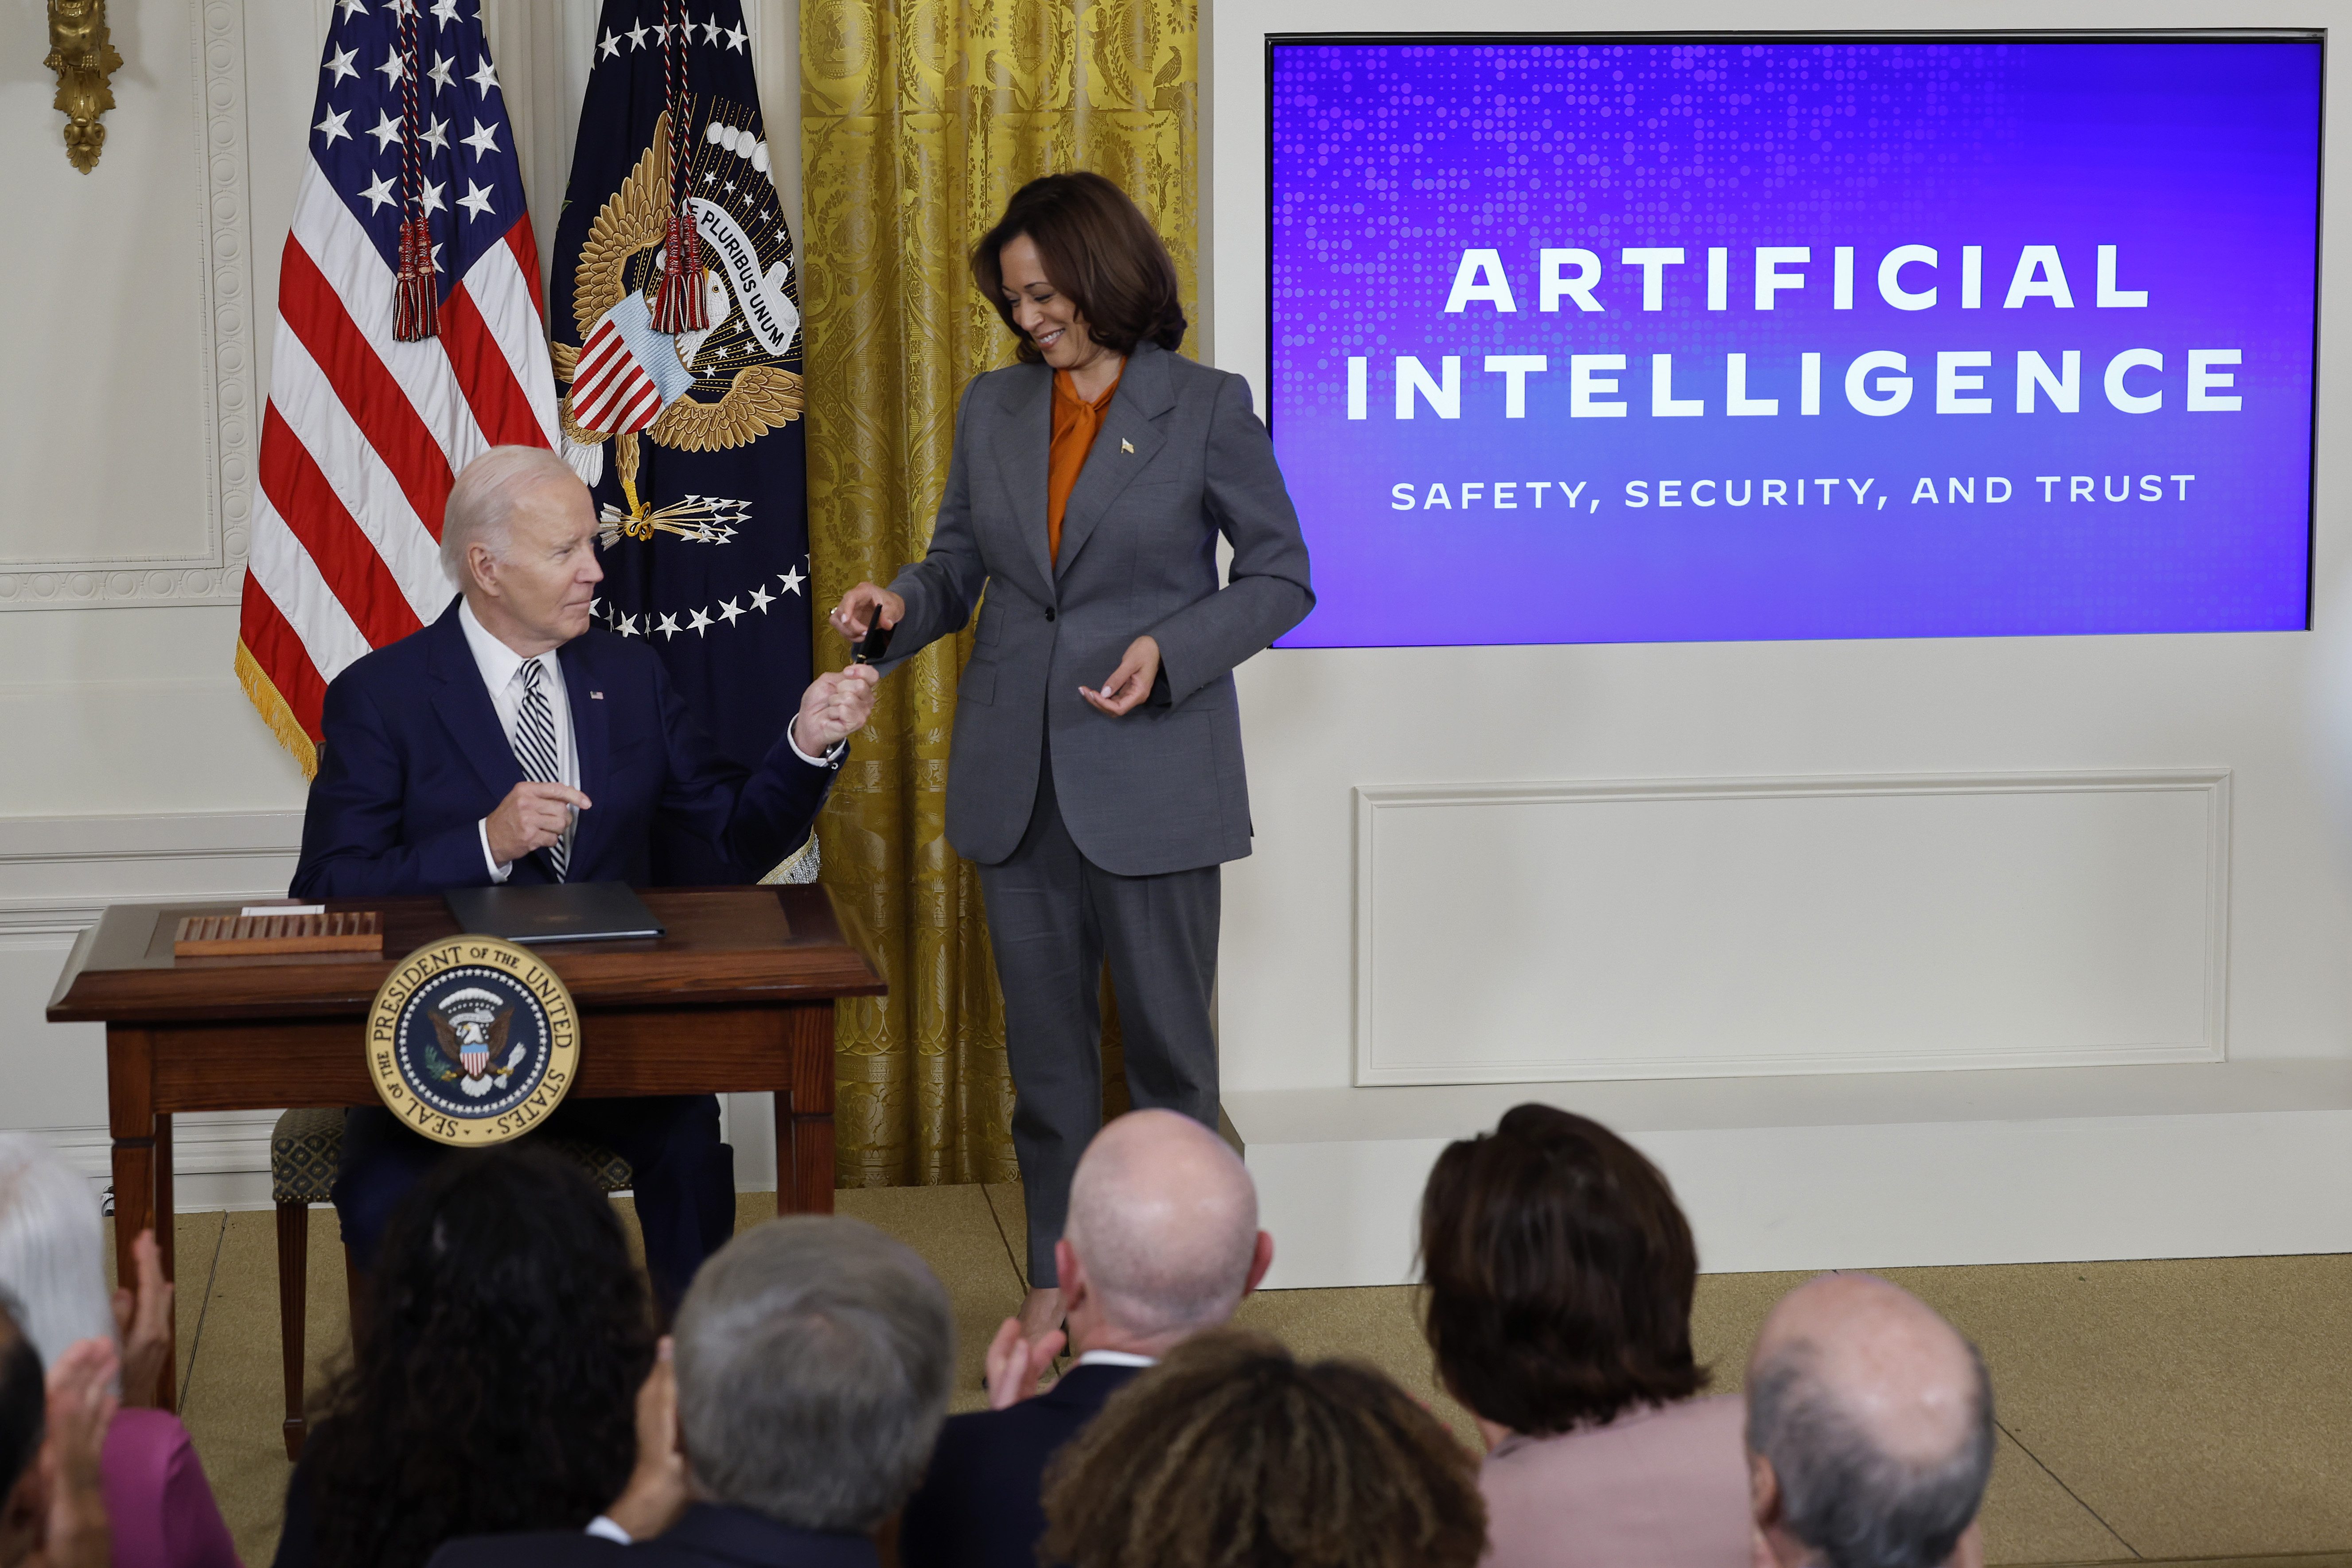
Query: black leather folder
{"points": [[558, 911]]}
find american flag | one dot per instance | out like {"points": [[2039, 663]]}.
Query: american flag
{"points": [[364, 433]]}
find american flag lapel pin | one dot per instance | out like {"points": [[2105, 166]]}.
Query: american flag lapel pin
{"points": [[595, 697], [1125, 445]]}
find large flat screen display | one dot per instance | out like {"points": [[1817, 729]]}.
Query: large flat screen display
{"points": [[1636, 340]]}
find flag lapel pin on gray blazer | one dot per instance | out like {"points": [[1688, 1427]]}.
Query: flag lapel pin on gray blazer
{"points": [[1126, 446]]}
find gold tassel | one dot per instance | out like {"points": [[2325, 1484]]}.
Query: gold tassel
{"points": [[274, 712]]}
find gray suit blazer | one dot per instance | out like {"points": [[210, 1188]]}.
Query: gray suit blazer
{"points": [[1180, 458]]}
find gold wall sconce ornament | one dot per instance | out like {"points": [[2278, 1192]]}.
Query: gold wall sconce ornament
{"points": [[82, 54]]}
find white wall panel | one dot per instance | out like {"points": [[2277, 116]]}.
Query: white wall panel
{"points": [[1861, 1171], [1319, 725], [1521, 933]]}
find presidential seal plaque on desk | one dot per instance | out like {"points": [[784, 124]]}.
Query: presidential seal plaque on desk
{"points": [[472, 1040]]}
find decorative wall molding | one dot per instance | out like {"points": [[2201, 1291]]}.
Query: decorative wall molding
{"points": [[224, 296], [1509, 933], [219, 1143], [59, 874], [56, 876], [544, 48]]}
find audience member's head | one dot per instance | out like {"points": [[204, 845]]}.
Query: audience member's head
{"points": [[23, 1406], [1161, 1239], [1560, 1275], [495, 1387], [52, 1248], [1870, 1429], [1230, 1452], [813, 1356]]}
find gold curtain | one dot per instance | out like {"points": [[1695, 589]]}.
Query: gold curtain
{"points": [[918, 119]]}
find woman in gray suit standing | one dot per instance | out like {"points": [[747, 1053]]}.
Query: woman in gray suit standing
{"points": [[1087, 489]]}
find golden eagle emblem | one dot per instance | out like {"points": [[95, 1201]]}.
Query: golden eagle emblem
{"points": [[624, 377], [472, 1030]]}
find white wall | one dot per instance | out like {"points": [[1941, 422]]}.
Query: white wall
{"points": [[1321, 723], [139, 303]]}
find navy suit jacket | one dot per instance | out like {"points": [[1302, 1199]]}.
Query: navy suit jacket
{"points": [[415, 758], [705, 1536], [983, 1502]]}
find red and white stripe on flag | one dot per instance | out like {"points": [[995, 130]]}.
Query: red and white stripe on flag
{"points": [[611, 390], [363, 434]]}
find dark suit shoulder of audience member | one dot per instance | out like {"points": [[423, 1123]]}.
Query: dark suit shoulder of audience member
{"points": [[1229, 1451], [1559, 1273], [811, 1357], [989, 1466], [703, 1537], [495, 1387]]}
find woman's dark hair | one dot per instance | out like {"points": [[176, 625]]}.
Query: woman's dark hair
{"points": [[24, 1402], [495, 1388], [1097, 248], [1558, 1272], [1229, 1454]]}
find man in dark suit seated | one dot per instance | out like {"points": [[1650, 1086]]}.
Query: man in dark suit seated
{"points": [[1162, 1242], [810, 1372], [512, 740]]}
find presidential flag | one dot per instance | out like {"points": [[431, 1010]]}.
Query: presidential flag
{"points": [[677, 336], [410, 339]]}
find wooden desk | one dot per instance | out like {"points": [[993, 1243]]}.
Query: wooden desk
{"points": [[738, 997]]}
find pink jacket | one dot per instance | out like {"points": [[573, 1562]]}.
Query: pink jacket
{"points": [[157, 1501], [1659, 1487]]}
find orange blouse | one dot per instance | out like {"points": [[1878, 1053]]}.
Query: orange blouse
{"points": [[1076, 421]]}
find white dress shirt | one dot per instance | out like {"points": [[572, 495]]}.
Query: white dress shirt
{"points": [[1116, 1358], [502, 669]]}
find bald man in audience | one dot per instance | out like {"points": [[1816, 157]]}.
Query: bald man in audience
{"points": [[1870, 1432], [1162, 1242]]}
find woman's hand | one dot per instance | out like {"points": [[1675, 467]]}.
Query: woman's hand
{"points": [[1130, 683], [81, 1406], [855, 612], [656, 1493], [142, 1322]]}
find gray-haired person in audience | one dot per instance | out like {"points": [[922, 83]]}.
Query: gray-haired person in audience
{"points": [[1162, 1242], [1870, 1431], [53, 1263], [808, 1375]]}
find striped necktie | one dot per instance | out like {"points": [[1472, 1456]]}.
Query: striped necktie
{"points": [[535, 748]]}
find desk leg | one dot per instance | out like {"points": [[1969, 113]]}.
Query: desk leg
{"points": [[805, 1114], [142, 1181]]}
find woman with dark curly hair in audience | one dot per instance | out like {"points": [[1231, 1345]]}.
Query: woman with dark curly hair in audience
{"points": [[495, 1385], [1559, 1273], [1230, 1452]]}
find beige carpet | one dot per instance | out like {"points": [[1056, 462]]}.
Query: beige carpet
{"points": [[2160, 1411]]}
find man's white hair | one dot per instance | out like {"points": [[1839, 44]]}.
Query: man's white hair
{"points": [[481, 505], [52, 1248], [1163, 1218]]}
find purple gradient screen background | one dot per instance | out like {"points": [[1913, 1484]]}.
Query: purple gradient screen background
{"points": [[2199, 160]]}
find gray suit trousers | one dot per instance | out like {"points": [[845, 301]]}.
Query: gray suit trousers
{"points": [[1053, 917]]}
